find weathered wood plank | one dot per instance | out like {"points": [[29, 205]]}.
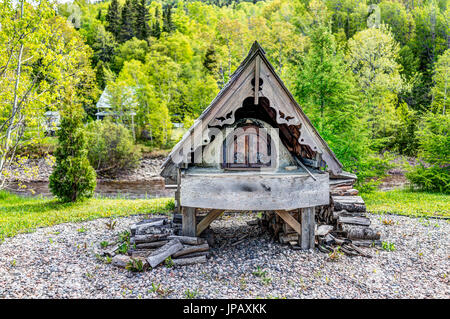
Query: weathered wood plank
{"points": [[159, 255], [189, 261], [354, 220], [188, 240], [205, 222], [257, 75], [290, 221], [254, 191], [189, 224], [191, 249]]}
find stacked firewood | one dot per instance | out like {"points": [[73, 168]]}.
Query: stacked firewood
{"points": [[155, 241], [342, 224]]}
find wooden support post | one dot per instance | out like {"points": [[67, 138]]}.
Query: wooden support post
{"points": [[177, 193], [307, 225], [290, 220], [188, 222], [205, 222]]}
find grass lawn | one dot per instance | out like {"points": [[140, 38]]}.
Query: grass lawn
{"points": [[407, 202], [24, 214]]}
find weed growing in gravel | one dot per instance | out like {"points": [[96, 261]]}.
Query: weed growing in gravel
{"points": [[191, 294], [266, 280], [336, 254], [123, 248], [12, 263], [111, 224], [105, 260], [168, 262], [389, 221], [124, 236], [135, 265], [156, 288], [259, 272], [82, 230], [242, 283], [104, 244], [387, 246]]}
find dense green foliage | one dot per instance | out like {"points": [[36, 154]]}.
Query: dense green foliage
{"points": [[73, 177], [370, 74], [111, 147], [24, 214]]}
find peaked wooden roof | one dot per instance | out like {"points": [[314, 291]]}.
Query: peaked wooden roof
{"points": [[221, 110]]}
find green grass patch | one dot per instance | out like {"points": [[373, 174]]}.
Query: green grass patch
{"points": [[408, 203], [25, 214]]}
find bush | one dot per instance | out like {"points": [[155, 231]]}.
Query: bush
{"points": [[431, 178], [73, 177], [434, 149], [111, 147]]}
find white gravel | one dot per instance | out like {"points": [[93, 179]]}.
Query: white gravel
{"points": [[60, 262]]}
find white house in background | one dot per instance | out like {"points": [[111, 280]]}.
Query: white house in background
{"points": [[104, 107], [51, 122]]}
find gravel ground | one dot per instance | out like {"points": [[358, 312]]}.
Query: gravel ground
{"points": [[60, 262]]}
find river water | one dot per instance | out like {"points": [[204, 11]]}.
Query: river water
{"points": [[122, 189]]}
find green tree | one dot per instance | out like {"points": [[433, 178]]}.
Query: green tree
{"points": [[156, 26], [373, 56], [327, 91], [142, 29], [127, 23], [113, 18], [73, 178], [132, 49], [168, 25], [441, 78]]}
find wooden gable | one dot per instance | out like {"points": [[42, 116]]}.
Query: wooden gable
{"points": [[256, 78]]}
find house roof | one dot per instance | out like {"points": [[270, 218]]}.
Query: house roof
{"points": [[238, 86]]}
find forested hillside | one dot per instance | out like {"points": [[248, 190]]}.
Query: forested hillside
{"points": [[371, 75]]}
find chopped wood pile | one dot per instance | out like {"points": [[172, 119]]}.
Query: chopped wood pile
{"points": [[341, 225], [157, 241]]}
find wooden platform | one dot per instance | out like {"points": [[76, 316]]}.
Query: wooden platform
{"points": [[254, 191]]}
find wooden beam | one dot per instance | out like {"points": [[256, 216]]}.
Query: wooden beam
{"points": [[257, 75], [290, 220], [205, 222], [308, 224], [188, 223]]}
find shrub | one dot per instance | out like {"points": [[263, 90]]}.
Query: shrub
{"points": [[433, 174], [111, 147], [73, 177]]}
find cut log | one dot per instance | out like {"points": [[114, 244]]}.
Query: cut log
{"points": [[363, 233], [286, 238], [154, 244], [191, 249], [140, 239], [366, 243], [159, 255], [361, 221], [188, 240], [348, 203], [207, 254], [322, 230], [147, 228], [345, 213], [152, 220], [144, 253], [189, 261], [120, 260]]}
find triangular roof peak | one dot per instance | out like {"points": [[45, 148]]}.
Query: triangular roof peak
{"points": [[255, 77]]}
